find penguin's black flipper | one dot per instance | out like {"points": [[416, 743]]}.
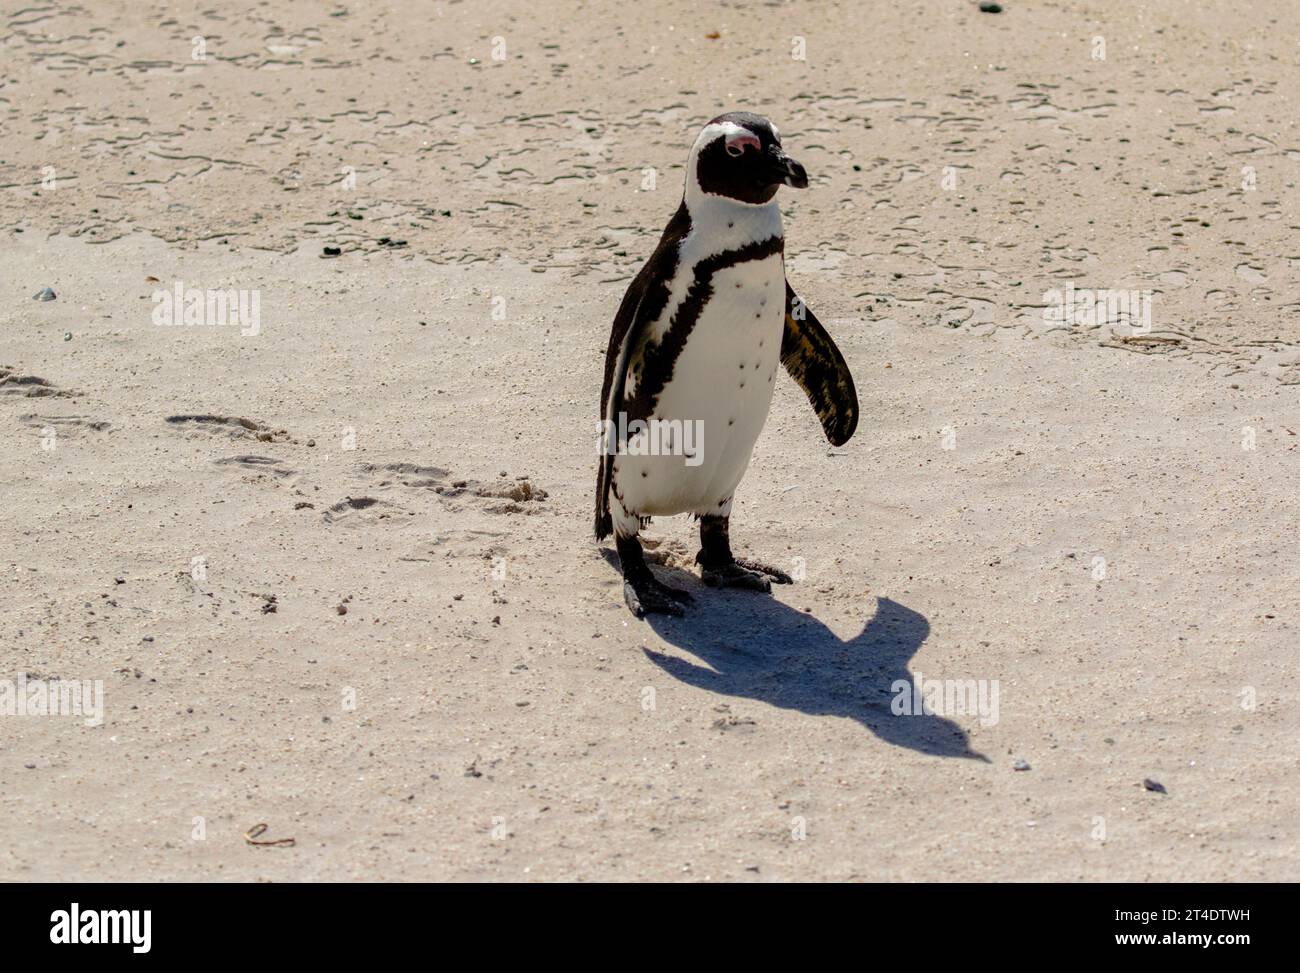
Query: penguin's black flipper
{"points": [[813, 361], [645, 300]]}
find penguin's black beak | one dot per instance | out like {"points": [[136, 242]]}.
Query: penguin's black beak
{"points": [[785, 171]]}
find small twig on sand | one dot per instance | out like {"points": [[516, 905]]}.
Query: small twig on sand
{"points": [[257, 830]]}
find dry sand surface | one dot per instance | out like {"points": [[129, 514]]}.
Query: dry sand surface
{"points": [[371, 613]]}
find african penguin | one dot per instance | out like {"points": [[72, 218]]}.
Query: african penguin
{"points": [[693, 357]]}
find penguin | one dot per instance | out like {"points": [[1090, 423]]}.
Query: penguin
{"points": [[692, 360]]}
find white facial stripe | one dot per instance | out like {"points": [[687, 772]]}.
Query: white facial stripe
{"points": [[738, 143], [717, 130]]}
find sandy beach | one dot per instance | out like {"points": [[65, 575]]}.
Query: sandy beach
{"points": [[329, 559]]}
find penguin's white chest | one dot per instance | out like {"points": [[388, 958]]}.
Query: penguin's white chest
{"points": [[720, 392]]}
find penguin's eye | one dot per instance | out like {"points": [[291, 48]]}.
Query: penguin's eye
{"points": [[735, 151]]}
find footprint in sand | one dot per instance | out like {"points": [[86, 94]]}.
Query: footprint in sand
{"points": [[361, 511], [520, 490], [258, 464], [232, 426], [29, 386], [67, 427], [519, 495]]}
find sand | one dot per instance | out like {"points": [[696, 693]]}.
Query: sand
{"points": [[334, 567]]}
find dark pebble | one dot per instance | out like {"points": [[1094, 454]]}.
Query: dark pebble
{"points": [[44, 294], [1154, 785]]}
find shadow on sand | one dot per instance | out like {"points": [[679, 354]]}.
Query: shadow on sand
{"points": [[755, 647]]}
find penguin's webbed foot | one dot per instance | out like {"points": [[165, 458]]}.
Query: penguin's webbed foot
{"points": [[776, 574], [749, 575], [719, 568], [647, 595]]}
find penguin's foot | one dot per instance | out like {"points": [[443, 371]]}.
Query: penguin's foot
{"points": [[719, 568], [647, 595], [776, 574], [739, 574]]}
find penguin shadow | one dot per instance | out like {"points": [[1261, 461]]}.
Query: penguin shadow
{"points": [[755, 647]]}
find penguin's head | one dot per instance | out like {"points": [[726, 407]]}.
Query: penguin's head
{"points": [[739, 156]]}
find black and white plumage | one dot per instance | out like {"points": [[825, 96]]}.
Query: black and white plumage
{"points": [[695, 348]]}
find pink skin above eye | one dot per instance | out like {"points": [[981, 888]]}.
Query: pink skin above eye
{"points": [[736, 143]]}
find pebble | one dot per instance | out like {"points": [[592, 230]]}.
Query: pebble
{"points": [[1021, 764], [1154, 785], [990, 8], [44, 294]]}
